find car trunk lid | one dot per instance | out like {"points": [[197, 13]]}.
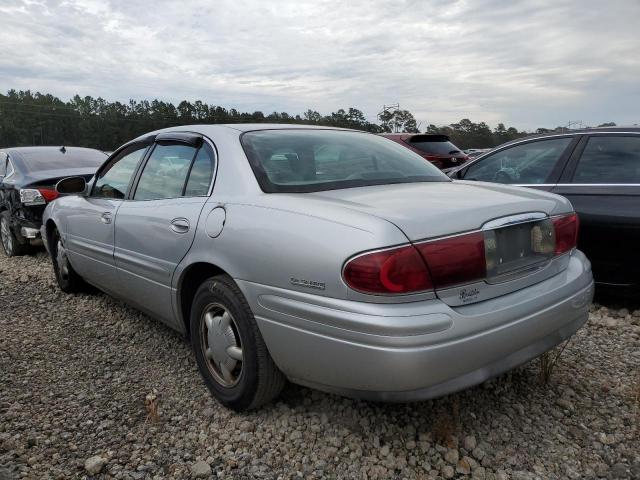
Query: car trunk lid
{"points": [[512, 224]]}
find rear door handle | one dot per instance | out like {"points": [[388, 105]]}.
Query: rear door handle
{"points": [[180, 225], [105, 217]]}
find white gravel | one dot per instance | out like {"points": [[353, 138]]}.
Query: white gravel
{"points": [[75, 372]]}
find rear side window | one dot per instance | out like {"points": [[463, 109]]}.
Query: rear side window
{"points": [[609, 159], [175, 170], [437, 146], [113, 181], [529, 163], [201, 173], [165, 173]]}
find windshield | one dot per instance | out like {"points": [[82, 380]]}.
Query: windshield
{"points": [[36, 159], [304, 160]]}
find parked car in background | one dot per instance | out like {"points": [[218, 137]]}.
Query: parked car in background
{"points": [[334, 258], [437, 149], [28, 176], [599, 171]]}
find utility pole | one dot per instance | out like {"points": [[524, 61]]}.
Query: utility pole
{"points": [[382, 116], [574, 123]]}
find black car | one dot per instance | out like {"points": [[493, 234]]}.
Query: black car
{"points": [[599, 171], [28, 176]]}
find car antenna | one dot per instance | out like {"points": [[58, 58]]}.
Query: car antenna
{"points": [[63, 150]]}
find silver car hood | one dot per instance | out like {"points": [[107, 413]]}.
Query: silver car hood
{"points": [[425, 210]]}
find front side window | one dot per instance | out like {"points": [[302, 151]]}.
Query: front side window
{"points": [[165, 173], [609, 159], [306, 160], [113, 181], [529, 163]]}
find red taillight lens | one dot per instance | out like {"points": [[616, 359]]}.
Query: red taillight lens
{"points": [[48, 194], [455, 260], [399, 270], [566, 228]]}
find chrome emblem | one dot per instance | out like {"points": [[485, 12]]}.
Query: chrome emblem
{"points": [[468, 294], [301, 282]]}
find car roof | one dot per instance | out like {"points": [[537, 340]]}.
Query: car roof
{"points": [[212, 129], [49, 150], [248, 127], [582, 131]]}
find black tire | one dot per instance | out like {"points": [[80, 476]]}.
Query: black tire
{"points": [[256, 378], [67, 278], [11, 246]]}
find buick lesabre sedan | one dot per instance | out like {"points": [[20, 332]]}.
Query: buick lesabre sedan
{"points": [[332, 258]]}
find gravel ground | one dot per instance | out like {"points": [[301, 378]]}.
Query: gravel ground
{"points": [[76, 372]]}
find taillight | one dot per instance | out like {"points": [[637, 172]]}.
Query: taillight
{"points": [[566, 229], [39, 196], [394, 271], [455, 260], [48, 194]]}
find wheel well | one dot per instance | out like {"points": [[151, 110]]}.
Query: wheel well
{"points": [[49, 230], [191, 280]]}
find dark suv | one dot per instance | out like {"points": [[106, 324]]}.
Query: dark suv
{"points": [[435, 148], [28, 176]]}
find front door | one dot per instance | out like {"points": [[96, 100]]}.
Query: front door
{"points": [[536, 163], [155, 227], [89, 233]]}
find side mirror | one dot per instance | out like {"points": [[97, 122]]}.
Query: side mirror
{"points": [[71, 185]]}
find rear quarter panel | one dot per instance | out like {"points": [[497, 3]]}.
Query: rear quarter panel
{"points": [[276, 247]]}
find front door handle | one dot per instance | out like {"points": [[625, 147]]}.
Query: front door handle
{"points": [[180, 225], [105, 217]]}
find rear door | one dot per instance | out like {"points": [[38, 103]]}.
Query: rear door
{"points": [[155, 226], [537, 163], [88, 230], [602, 181]]}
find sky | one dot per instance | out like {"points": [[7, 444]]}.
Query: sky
{"points": [[526, 64]]}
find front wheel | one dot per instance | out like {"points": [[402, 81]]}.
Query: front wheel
{"points": [[231, 354], [67, 278]]}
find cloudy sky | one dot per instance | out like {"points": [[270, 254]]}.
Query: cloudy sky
{"points": [[524, 63]]}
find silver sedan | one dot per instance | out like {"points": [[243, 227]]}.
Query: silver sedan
{"points": [[335, 259]]}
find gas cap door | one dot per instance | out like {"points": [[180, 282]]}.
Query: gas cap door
{"points": [[215, 222]]}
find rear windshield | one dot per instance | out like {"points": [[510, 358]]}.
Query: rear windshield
{"points": [[53, 159], [315, 160], [439, 147]]}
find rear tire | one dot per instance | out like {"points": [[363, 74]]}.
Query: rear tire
{"points": [[10, 244], [229, 349], [67, 278]]}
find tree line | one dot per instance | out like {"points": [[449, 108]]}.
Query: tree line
{"points": [[28, 118]]}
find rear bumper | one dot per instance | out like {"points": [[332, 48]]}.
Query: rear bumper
{"points": [[25, 229], [419, 350]]}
